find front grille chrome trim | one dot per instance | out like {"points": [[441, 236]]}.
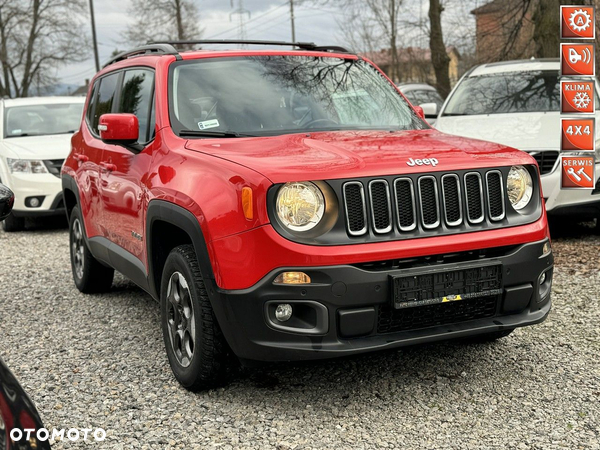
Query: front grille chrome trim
{"points": [[482, 217], [413, 200], [445, 203], [389, 206], [436, 224], [363, 230], [487, 176]]}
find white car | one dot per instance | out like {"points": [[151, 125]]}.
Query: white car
{"points": [[35, 138], [425, 96], [517, 103]]}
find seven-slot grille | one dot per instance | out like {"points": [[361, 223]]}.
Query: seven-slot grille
{"points": [[425, 202]]}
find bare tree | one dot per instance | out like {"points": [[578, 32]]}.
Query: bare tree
{"points": [[372, 24], [162, 20], [439, 57], [36, 37]]}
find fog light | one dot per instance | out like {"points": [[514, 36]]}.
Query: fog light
{"points": [[542, 278], [33, 202], [292, 278], [283, 312]]}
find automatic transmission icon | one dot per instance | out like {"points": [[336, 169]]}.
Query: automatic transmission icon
{"points": [[577, 59]]}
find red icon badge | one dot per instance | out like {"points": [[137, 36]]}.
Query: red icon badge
{"points": [[578, 172], [577, 22], [577, 97], [577, 59], [577, 134]]}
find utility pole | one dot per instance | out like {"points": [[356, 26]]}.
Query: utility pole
{"points": [[241, 12], [95, 42], [292, 20]]}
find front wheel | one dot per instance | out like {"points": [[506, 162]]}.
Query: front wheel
{"points": [[195, 347], [12, 223], [89, 274]]}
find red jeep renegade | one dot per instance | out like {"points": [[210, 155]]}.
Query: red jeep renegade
{"points": [[292, 205]]}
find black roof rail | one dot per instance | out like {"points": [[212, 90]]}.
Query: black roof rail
{"points": [[300, 45], [161, 48], [168, 47]]}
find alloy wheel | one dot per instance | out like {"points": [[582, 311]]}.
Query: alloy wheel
{"points": [[180, 319], [77, 248]]}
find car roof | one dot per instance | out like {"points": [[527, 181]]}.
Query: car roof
{"points": [[414, 86], [524, 65], [41, 101]]}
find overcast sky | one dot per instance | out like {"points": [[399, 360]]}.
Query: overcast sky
{"points": [[269, 19], [316, 21]]}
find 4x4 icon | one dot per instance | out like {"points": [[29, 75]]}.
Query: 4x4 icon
{"points": [[267, 199]]}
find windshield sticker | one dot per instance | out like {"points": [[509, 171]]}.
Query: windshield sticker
{"points": [[208, 124]]}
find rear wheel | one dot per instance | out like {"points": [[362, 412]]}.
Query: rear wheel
{"points": [[12, 223], [195, 347], [89, 274]]}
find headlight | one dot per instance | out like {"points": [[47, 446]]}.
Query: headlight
{"points": [[519, 186], [300, 206], [26, 166]]}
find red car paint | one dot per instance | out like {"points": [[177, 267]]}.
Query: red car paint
{"points": [[206, 177]]}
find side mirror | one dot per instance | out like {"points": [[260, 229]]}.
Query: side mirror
{"points": [[419, 112], [429, 109], [118, 129], [7, 200]]}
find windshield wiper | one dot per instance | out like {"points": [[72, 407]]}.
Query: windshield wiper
{"points": [[216, 134]]}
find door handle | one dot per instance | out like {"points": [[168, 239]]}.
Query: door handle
{"points": [[109, 167], [81, 158]]}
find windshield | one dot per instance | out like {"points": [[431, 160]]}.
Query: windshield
{"points": [[267, 95], [506, 93], [40, 120]]}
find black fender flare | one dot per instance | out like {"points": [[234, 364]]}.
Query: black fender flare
{"points": [[161, 210]]}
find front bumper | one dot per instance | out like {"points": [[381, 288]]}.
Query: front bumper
{"points": [[46, 187], [346, 308], [579, 202]]}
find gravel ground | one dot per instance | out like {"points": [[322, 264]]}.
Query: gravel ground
{"points": [[98, 361]]}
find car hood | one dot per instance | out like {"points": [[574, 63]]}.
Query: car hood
{"points": [[525, 131], [343, 154], [55, 146]]}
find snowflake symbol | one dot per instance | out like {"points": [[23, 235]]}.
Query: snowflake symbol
{"points": [[580, 20], [581, 100]]}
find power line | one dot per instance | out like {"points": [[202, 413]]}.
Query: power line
{"points": [[249, 21]]}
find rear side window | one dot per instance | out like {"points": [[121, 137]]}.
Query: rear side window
{"points": [[89, 114], [105, 98], [136, 98]]}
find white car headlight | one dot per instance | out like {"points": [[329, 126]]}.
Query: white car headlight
{"points": [[300, 206], [519, 186], [26, 166]]}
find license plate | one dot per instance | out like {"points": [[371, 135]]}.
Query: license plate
{"points": [[433, 286]]}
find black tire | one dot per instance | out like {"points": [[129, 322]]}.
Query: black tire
{"points": [[12, 223], [489, 337], [197, 351], [90, 276]]}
